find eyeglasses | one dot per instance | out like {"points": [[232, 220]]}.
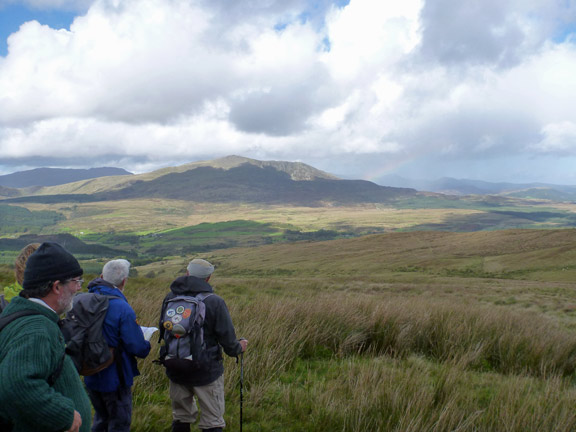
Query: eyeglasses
{"points": [[79, 282]]}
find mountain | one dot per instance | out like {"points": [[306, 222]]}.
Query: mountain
{"points": [[255, 184], [56, 176], [452, 186], [230, 179], [553, 193]]}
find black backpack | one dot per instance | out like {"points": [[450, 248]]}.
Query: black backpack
{"points": [[82, 329], [182, 329], [3, 304], [6, 425]]}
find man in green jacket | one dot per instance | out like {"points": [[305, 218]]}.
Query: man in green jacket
{"points": [[40, 388]]}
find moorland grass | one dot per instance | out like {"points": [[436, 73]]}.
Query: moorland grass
{"points": [[344, 361], [342, 339]]}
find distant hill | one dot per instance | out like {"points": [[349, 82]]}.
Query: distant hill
{"points": [[9, 192], [231, 179], [56, 176], [452, 186], [251, 183], [553, 193], [71, 243], [296, 170]]}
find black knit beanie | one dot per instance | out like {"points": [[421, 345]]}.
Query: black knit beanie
{"points": [[50, 262]]}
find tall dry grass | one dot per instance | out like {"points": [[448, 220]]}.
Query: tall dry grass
{"points": [[470, 337], [325, 359], [339, 361]]}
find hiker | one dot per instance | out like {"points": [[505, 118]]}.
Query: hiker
{"points": [[186, 382], [110, 390], [40, 388], [12, 290]]}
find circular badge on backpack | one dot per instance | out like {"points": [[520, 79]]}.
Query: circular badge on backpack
{"points": [[179, 310], [170, 313], [176, 319]]}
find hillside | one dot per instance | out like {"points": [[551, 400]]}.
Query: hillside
{"points": [[9, 192], [489, 253], [56, 176], [240, 180], [73, 244], [296, 170], [452, 186]]}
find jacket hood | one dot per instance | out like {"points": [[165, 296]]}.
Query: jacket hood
{"points": [[100, 286], [190, 285]]}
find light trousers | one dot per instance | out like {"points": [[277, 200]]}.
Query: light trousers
{"points": [[210, 400]]}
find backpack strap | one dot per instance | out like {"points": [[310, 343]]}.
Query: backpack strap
{"points": [[3, 303], [7, 319], [117, 350], [202, 296], [161, 331]]}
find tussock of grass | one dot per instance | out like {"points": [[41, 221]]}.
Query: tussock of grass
{"points": [[468, 337]]}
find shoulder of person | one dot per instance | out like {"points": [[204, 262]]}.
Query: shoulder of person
{"points": [[213, 298]]}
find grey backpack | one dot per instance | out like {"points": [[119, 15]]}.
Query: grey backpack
{"points": [[182, 330]]}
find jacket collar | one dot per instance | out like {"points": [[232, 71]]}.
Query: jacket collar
{"points": [[190, 285], [100, 286]]}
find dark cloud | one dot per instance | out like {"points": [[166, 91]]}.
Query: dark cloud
{"points": [[471, 32], [472, 133], [283, 109]]}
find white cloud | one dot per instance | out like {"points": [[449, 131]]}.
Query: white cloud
{"points": [[162, 80], [558, 138]]}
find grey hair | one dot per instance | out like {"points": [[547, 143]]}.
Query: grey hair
{"points": [[116, 271]]}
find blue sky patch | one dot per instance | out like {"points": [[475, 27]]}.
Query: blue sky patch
{"points": [[12, 16]]}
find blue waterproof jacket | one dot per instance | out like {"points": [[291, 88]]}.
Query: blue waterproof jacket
{"points": [[120, 329]]}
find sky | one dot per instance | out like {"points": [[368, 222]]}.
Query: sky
{"points": [[364, 89]]}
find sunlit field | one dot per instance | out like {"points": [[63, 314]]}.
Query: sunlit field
{"points": [[152, 215]]}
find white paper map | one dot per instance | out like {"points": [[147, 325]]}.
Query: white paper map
{"points": [[148, 332]]}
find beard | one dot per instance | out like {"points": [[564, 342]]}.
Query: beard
{"points": [[65, 304]]}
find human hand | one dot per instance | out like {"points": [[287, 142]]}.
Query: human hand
{"points": [[76, 423], [243, 344]]}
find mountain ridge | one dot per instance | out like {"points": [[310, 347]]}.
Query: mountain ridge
{"points": [[42, 177], [270, 183], [453, 186]]}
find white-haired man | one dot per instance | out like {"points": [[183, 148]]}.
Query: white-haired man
{"points": [[111, 389], [187, 384]]}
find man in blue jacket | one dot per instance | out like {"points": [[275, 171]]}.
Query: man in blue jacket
{"points": [[111, 389]]}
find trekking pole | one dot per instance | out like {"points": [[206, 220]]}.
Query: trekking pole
{"points": [[241, 386]]}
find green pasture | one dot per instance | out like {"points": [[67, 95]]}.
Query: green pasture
{"points": [[149, 230]]}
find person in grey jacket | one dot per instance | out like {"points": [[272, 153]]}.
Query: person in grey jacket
{"points": [[207, 387]]}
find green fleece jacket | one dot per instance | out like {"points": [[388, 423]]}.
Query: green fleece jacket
{"points": [[31, 349]]}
